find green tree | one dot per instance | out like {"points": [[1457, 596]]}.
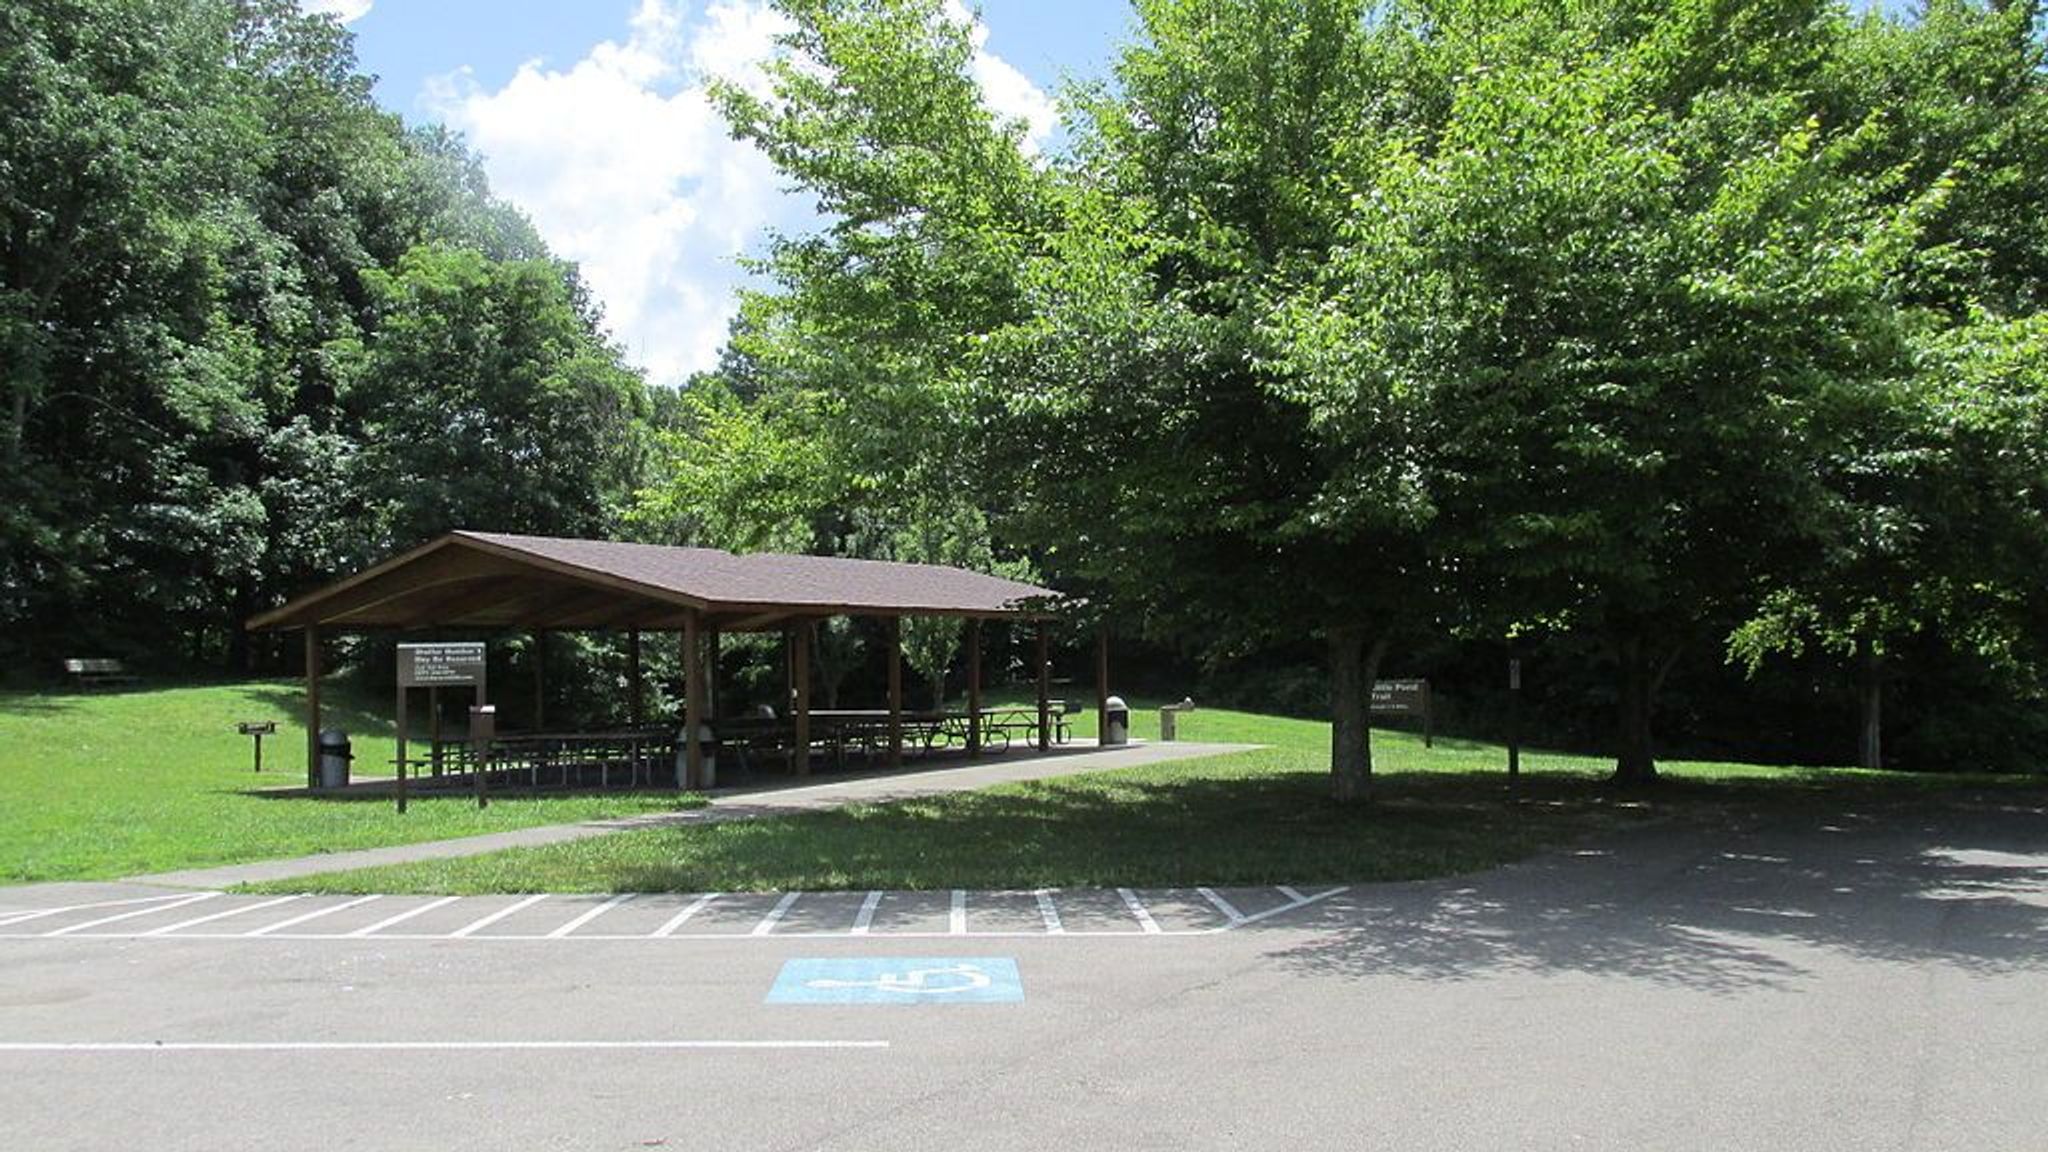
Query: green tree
{"points": [[1647, 292], [486, 402]]}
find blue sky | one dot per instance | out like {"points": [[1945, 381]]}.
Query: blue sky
{"points": [[590, 116]]}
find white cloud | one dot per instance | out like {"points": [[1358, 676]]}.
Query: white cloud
{"points": [[346, 11], [1006, 90], [626, 169]]}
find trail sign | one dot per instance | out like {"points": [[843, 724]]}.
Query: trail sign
{"points": [[1406, 698], [440, 665], [1400, 697]]}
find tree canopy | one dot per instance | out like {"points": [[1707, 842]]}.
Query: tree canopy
{"points": [[253, 331], [1459, 317]]}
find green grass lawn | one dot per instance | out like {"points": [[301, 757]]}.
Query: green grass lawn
{"points": [[114, 783], [1259, 817]]}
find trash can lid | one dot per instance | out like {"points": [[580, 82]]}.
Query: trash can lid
{"points": [[1116, 702]]}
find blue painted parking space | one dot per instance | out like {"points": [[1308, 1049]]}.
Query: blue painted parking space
{"points": [[899, 980]]}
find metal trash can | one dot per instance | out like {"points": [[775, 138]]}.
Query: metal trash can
{"points": [[1169, 717], [1116, 722], [335, 754], [707, 743]]}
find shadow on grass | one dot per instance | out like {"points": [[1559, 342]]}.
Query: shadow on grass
{"points": [[1764, 897], [349, 715], [37, 703], [1158, 830]]}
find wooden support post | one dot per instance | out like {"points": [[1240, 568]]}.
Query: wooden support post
{"points": [[693, 705], [404, 725], [1044, 691], [1102, 684], [635, 710], [434, 728], [540, 680], [895, 692], [312, 705], [974, 689], [711, 646], [800, 674]]}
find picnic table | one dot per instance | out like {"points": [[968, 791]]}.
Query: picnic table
{"points": [[836, 731]]}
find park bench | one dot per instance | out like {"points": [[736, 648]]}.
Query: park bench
{"points": [[97, 673]]}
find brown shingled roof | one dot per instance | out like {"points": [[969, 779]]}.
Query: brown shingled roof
{"points": [[486, 579]]}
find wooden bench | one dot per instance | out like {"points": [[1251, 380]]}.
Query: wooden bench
{"points": [[97, 673]]}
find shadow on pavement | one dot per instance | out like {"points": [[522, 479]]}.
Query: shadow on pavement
{"points": [[1759, 904]]}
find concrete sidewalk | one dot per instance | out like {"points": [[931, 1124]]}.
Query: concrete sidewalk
{"points": [[737, 804]]}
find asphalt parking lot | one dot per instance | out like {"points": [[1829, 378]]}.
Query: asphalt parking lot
{"points": [[1848, 982]]}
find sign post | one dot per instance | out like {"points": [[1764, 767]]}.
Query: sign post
{"points": [[1406, 698], [1514, 718], [435, 666]]}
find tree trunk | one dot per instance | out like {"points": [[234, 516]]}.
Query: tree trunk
{"points": [[1635, 762], [1353, 667], [1870, 742], [939, 692]]}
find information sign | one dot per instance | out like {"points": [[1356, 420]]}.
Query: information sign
{"points": [[440, 665]]}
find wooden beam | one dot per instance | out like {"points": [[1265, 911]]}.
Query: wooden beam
{"points": [[974, 689], [895, 692], [1044, 692], [516, 609], [287, 614], [693, 706], [458, 602], [757, 622], [615, 611], [312, 705], [800, 672], [371, 602]]}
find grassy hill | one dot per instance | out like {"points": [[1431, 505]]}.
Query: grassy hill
{"points": [[104, 784]]}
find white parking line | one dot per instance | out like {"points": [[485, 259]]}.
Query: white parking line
{"points": [[775, 915], [402, 917], [1299, 901], [315, 914], [38, 914], [865, 918], [1050, 913], [1228, 909], [1138, 909], [593, 914], [681, 918], [1229, 916], [483, 922], [439, 1045], [167, 929], [149, 911]]}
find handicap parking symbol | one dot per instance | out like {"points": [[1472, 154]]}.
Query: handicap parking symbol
{"points": [[899, 980]]}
